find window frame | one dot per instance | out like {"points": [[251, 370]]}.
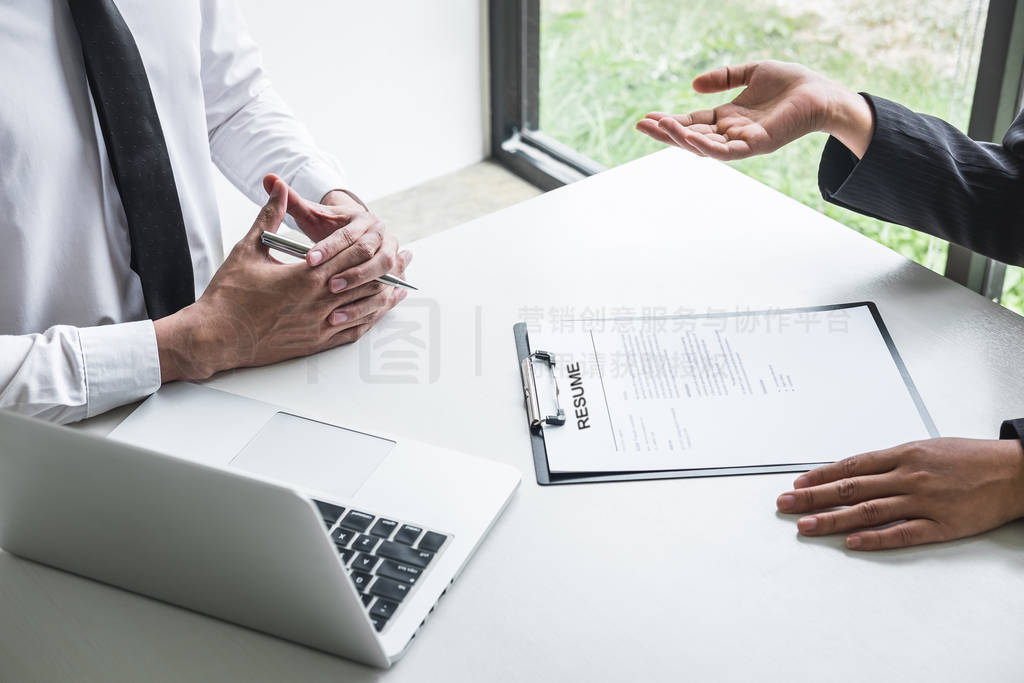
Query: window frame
{"points": [[997, 100], [516, 142]]}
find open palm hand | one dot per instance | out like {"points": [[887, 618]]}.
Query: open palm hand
{"points": [[780, 103]]}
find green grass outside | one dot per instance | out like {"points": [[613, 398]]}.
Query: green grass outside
{"points": [[606, 63]]}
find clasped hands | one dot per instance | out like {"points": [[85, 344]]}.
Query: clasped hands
{"points": [[257, 310]]}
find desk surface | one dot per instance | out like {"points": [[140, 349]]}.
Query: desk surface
{"points": [[693, 579]]}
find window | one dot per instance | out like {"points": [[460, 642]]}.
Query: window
{"points": [[577, 74]]}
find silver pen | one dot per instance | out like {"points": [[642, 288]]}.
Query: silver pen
{"points": [[296, 248]]}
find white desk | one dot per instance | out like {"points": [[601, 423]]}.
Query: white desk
{"points": [[662, 581]]}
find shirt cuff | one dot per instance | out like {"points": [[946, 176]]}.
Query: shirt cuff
{"points": [[317, 178], [122, 364]]}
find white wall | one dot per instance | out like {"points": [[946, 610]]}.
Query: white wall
{"points": [[394, 89]]}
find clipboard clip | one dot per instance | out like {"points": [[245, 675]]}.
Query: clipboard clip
{"points": [[537, 418]]}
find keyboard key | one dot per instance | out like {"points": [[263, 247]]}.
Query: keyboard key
{"points": [[357, 521], [383, 608], [346, 555], [361, 580], [384, 528], [364, 562], [432, 541], [329, 512], [391, 590], [378, 623], [408, 534], [365, 544], [404, 554], [398, 571], [367, 599], [342, 537]]}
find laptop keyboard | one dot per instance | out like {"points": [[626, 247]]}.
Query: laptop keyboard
{"points": [[384, 557]]}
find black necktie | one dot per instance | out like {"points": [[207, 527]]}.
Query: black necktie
{"points": [[138, 156]]}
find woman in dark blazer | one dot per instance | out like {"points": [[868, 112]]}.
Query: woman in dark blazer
{"points": [[885, 161]]}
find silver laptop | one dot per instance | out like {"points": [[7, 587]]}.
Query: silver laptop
{"points": [[333, 538]]}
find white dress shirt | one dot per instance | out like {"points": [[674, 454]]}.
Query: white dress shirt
{"points": [[74, 338]]}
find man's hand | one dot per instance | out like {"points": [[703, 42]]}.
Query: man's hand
{"points": [[342, 225], [780, 103], [928, 491], [257, 310], [354, 245]]}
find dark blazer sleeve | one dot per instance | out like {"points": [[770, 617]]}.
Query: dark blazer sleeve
{"points": [[923, 173]]}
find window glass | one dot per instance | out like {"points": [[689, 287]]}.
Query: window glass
{"points": [[606, 63]]}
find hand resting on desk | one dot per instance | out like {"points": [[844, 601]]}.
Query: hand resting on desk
{"points": [[928, 491]]}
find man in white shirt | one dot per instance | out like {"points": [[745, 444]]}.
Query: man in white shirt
{"points": [[75, 337]]}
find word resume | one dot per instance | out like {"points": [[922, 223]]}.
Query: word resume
{"points": [[751, 389]]}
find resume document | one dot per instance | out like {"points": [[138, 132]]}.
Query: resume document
{"points": [[732, 390]]}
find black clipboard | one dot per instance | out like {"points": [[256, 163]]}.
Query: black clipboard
{"points": [[540, 455]]}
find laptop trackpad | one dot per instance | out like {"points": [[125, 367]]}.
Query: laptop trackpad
{"points": [[313, 455]]}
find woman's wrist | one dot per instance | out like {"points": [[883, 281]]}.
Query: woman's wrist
{"points": [[851, 121]]}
